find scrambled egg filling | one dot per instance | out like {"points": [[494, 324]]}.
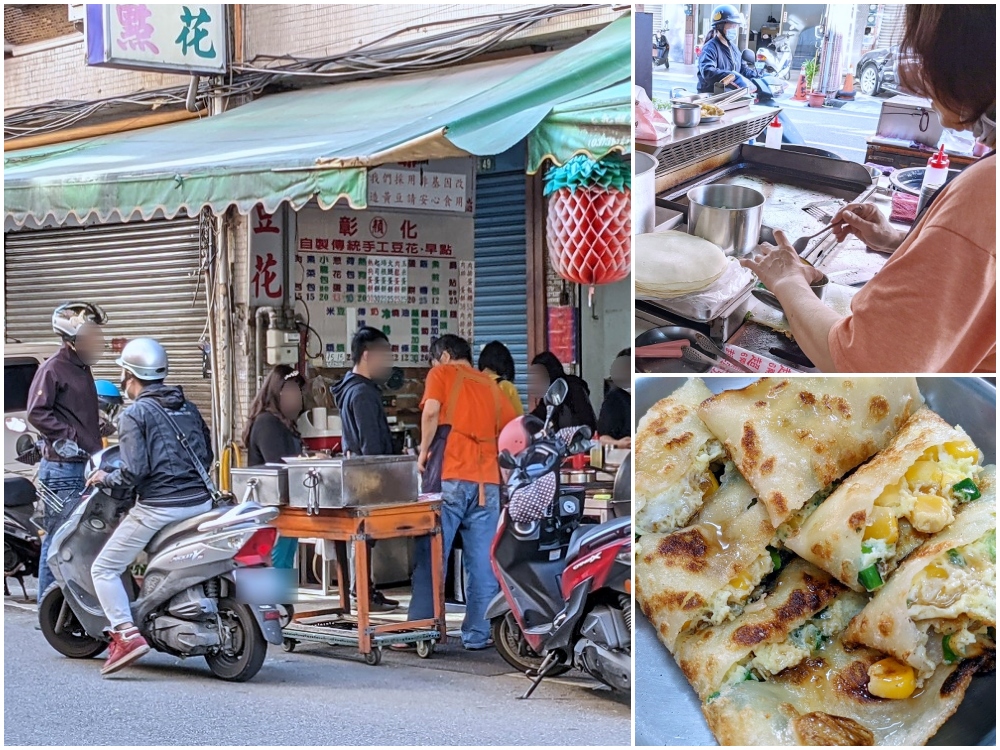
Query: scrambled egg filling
{"points": [[926, 496], [954, 598], [727, 602], [674, 508], [797, 519]]}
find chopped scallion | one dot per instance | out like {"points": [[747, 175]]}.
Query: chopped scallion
{"points": [[870, 578], [950, 657], [966, 490]]}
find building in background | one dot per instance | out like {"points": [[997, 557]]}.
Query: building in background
{"points": [[353, 164]]}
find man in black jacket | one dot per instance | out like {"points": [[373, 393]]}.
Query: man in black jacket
{"points": [[362, 415], [62, 406], [168, 484]]}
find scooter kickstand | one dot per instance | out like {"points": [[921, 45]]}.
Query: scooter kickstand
{"points": [[544, 668]]}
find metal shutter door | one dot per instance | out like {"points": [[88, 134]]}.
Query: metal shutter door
{"points": [[501, 301], [144, 274]]}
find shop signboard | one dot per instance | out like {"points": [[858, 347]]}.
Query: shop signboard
{"points": [[188, 38], [267, 254], [411, 275], [445, 185]]}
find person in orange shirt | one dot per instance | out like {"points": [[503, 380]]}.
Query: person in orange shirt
{"points": [[463, 413], [932, 307]]}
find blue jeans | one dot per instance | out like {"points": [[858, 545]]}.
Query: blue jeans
{"points": [[462, 513], [60, 481]]}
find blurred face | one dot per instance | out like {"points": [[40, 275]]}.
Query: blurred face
{"points": [[621, 372], [949, 119], [130, 385], [290, 401], [379, 362], [538, 381], [90, 344]]}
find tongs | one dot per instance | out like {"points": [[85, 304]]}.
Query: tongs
{"points": [[683, 349]]}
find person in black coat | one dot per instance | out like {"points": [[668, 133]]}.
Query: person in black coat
{"points": [[576, 410], [614, 425]]}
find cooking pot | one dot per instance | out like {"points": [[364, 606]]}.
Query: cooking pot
{"points": [[643, 193], [726, 215], [685, 115]]}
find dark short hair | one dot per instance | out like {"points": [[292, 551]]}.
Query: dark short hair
{"points": [[366, 338], [456, 346], [624, 353], [932, 62], [497, 357]]}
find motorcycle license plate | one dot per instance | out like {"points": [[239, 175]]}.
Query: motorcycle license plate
{"points": [[264, 585]]}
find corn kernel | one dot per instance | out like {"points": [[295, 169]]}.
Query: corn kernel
{"points": [[883, 526], [930, 513], [931, 454], [891, 679], [961, 449], [889, 497], [935, 571], [709, 483], [743, 582], [923, 473]]}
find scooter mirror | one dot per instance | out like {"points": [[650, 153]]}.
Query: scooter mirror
{"points": [[15, 424], [24, 444], [749, 57], [556, 393]]}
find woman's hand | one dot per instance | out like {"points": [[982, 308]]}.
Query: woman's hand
{"points": [[869, 225], [779, 265]]}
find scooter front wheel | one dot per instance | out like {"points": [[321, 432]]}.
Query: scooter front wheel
{"points": [[245, 647], [70, 639], [514, 649]]}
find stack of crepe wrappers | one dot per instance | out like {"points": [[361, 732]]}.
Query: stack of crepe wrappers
{"points": [[674, 264]]}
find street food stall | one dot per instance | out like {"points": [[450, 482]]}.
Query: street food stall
{"points": [[756, 190], [353, 500]]}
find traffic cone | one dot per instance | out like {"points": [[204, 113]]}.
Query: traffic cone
{"points": [[847, 93], [800, 87]]}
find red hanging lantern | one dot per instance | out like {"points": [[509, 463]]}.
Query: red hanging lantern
{"points": [[589, 222]]}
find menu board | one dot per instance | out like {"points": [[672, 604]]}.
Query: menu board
{"points": [[408, 274]]}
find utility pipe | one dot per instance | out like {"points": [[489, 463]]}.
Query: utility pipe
{"points": [[104, 128]]}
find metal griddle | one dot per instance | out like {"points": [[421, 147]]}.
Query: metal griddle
{"points": [[789, 182]]}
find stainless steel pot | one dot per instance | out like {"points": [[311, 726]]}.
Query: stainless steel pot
{"points": [[643, 193], [726, 215], [685, 115]]}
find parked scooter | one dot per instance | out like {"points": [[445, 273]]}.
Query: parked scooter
{"points": [[661, 49], [565, 586], [198, 596], [22, 546]]}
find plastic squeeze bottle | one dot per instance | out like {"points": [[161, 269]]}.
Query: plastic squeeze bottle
{"points": [[934, 177], [773, 137]]}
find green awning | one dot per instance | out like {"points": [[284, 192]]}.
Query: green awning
{"points": [[318, 143]]}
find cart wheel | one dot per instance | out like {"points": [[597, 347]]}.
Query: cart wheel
{"points": [[374, 657], [425, 649], [288, 645]]}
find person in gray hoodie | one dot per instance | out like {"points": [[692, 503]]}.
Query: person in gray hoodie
{"points": [[365, 426]]}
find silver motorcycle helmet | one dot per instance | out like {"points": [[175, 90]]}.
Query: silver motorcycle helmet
{"points": [[69, 319], [144, 358]]}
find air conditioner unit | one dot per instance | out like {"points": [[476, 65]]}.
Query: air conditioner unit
{"points": [[77, 12]]}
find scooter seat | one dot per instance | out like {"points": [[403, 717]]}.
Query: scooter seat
{"points": [[17, 491], [588, 538], [169, 534]]}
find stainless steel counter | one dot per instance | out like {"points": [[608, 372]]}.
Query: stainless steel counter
{"points": [[674, 135]]}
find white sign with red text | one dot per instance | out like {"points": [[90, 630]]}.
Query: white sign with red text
{"points": [[267, 258]]}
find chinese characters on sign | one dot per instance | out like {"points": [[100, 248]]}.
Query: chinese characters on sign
{"points": [[267, 272], [187, 38], [419, 189], [409, 275]]}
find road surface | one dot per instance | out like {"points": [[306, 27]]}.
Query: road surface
{"points": [[313, 696]]}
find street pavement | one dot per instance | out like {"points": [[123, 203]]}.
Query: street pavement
{"points": [[843, 131], [316, 695]]}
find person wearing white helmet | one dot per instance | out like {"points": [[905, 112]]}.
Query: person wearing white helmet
{"points": [[720, 55], [62, 406], [165, 458]]}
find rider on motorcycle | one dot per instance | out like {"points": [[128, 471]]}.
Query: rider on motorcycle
{"points": [[161, 435], [720, 56]]}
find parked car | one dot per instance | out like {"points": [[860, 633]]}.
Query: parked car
{"points": [[20, 363], [877, 70]]}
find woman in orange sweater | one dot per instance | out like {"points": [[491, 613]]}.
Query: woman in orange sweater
{"points": [[932, 307]]}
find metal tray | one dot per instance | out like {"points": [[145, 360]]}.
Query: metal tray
{"points": [[267, 484], [667, 711], [352, 482]]}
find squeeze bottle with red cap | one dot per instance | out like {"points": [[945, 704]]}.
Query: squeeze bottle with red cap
{"points": [[934, 177], [773, 137]]}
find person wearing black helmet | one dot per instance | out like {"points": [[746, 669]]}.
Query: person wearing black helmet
{"points": [[166, 454], [62, 406], [720, 54]]}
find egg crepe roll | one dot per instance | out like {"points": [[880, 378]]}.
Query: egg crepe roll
{"points": [[891, 504], [940, 606], [792, 437], [673, 451], [703, 573], [806, 607], [825, 701]]}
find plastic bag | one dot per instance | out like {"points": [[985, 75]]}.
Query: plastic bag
{"points": [[647, 117]]}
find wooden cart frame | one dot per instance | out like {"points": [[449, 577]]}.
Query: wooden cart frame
{"points": [[339, 626]]}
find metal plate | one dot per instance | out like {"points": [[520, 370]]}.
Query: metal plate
{"points": [[667, 711], [710, 118]]}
